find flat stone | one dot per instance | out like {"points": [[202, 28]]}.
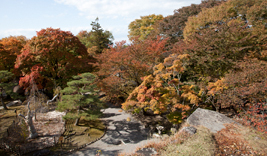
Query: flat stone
{"points": [[155, 135], [147, 151], [112, 141], [173, 130], [210, 119], [189, 130]]}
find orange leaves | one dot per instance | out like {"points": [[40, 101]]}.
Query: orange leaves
{"points": [[60, 53], [190, 94], [161, 92], [216, 87], [255, 117], [128, 105], [10, 48], [158, 68], [130, 62]]}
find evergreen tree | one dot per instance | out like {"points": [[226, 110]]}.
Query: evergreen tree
{"points": [[97, 39], [5, 85], [80, 98]]}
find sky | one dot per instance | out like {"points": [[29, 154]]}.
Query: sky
{"points": [[25, 17]]}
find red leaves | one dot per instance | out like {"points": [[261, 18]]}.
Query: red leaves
{"points": [[60, 54], [129, 62], [33, 76], [256, 116]]}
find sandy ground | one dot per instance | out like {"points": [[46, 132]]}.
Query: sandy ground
{"points": [[127, 134]]}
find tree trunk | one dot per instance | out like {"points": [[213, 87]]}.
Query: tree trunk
{"points": [[77, 121], [3, 104], [32, 130], [35, 116], [28, 120]]}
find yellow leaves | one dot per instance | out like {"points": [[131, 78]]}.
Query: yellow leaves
{"points": [[156, 112], [148, 79], [158, 84], [201, 91], [153, 102], [158, 69], [183, 56], [128, 104], [165, 95], [143, 27], [190, 94], [166, 76], [217, 87]]}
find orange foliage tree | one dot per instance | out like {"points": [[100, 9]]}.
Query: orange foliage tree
{"points": [[10, 47], [245, 86], [224, 39], [52, 58], [122, 66], [164, 92]]}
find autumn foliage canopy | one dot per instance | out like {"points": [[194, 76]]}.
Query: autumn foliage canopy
{"points": [[51, 58]]}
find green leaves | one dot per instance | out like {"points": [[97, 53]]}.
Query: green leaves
{"points": [[141, 28], [80, 97], [97, 39], [6, 83]]}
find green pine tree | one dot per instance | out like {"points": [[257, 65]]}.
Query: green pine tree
{"points": [[6, 86], [80, 98]]}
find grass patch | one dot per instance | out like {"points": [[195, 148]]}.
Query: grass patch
{"points": [[232, 140], [201, 143], [85, 132], [7, 117]]}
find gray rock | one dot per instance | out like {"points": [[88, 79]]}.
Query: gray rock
{"points": [[147, 151], [18, 89], [189, 130], [14, 103], [173, 130], [112, 141], [155, 135], [210, 119], [126, 140]]}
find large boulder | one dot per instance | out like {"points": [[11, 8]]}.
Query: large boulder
{"points": [[19, 90], [212, 120]]}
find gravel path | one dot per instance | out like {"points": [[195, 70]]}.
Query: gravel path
{"points": [[122, 136]]}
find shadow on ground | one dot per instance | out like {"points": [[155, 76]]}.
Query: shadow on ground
{"points": [[128, 132]]}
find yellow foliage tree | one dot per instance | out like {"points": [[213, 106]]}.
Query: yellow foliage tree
{"points": [[143, 27], [163, 92]]}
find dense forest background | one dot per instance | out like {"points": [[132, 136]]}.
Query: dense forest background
{"points": [[212, 55]]}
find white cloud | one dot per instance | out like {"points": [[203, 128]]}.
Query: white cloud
{"points": [[116, 15], [125, 8]]}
